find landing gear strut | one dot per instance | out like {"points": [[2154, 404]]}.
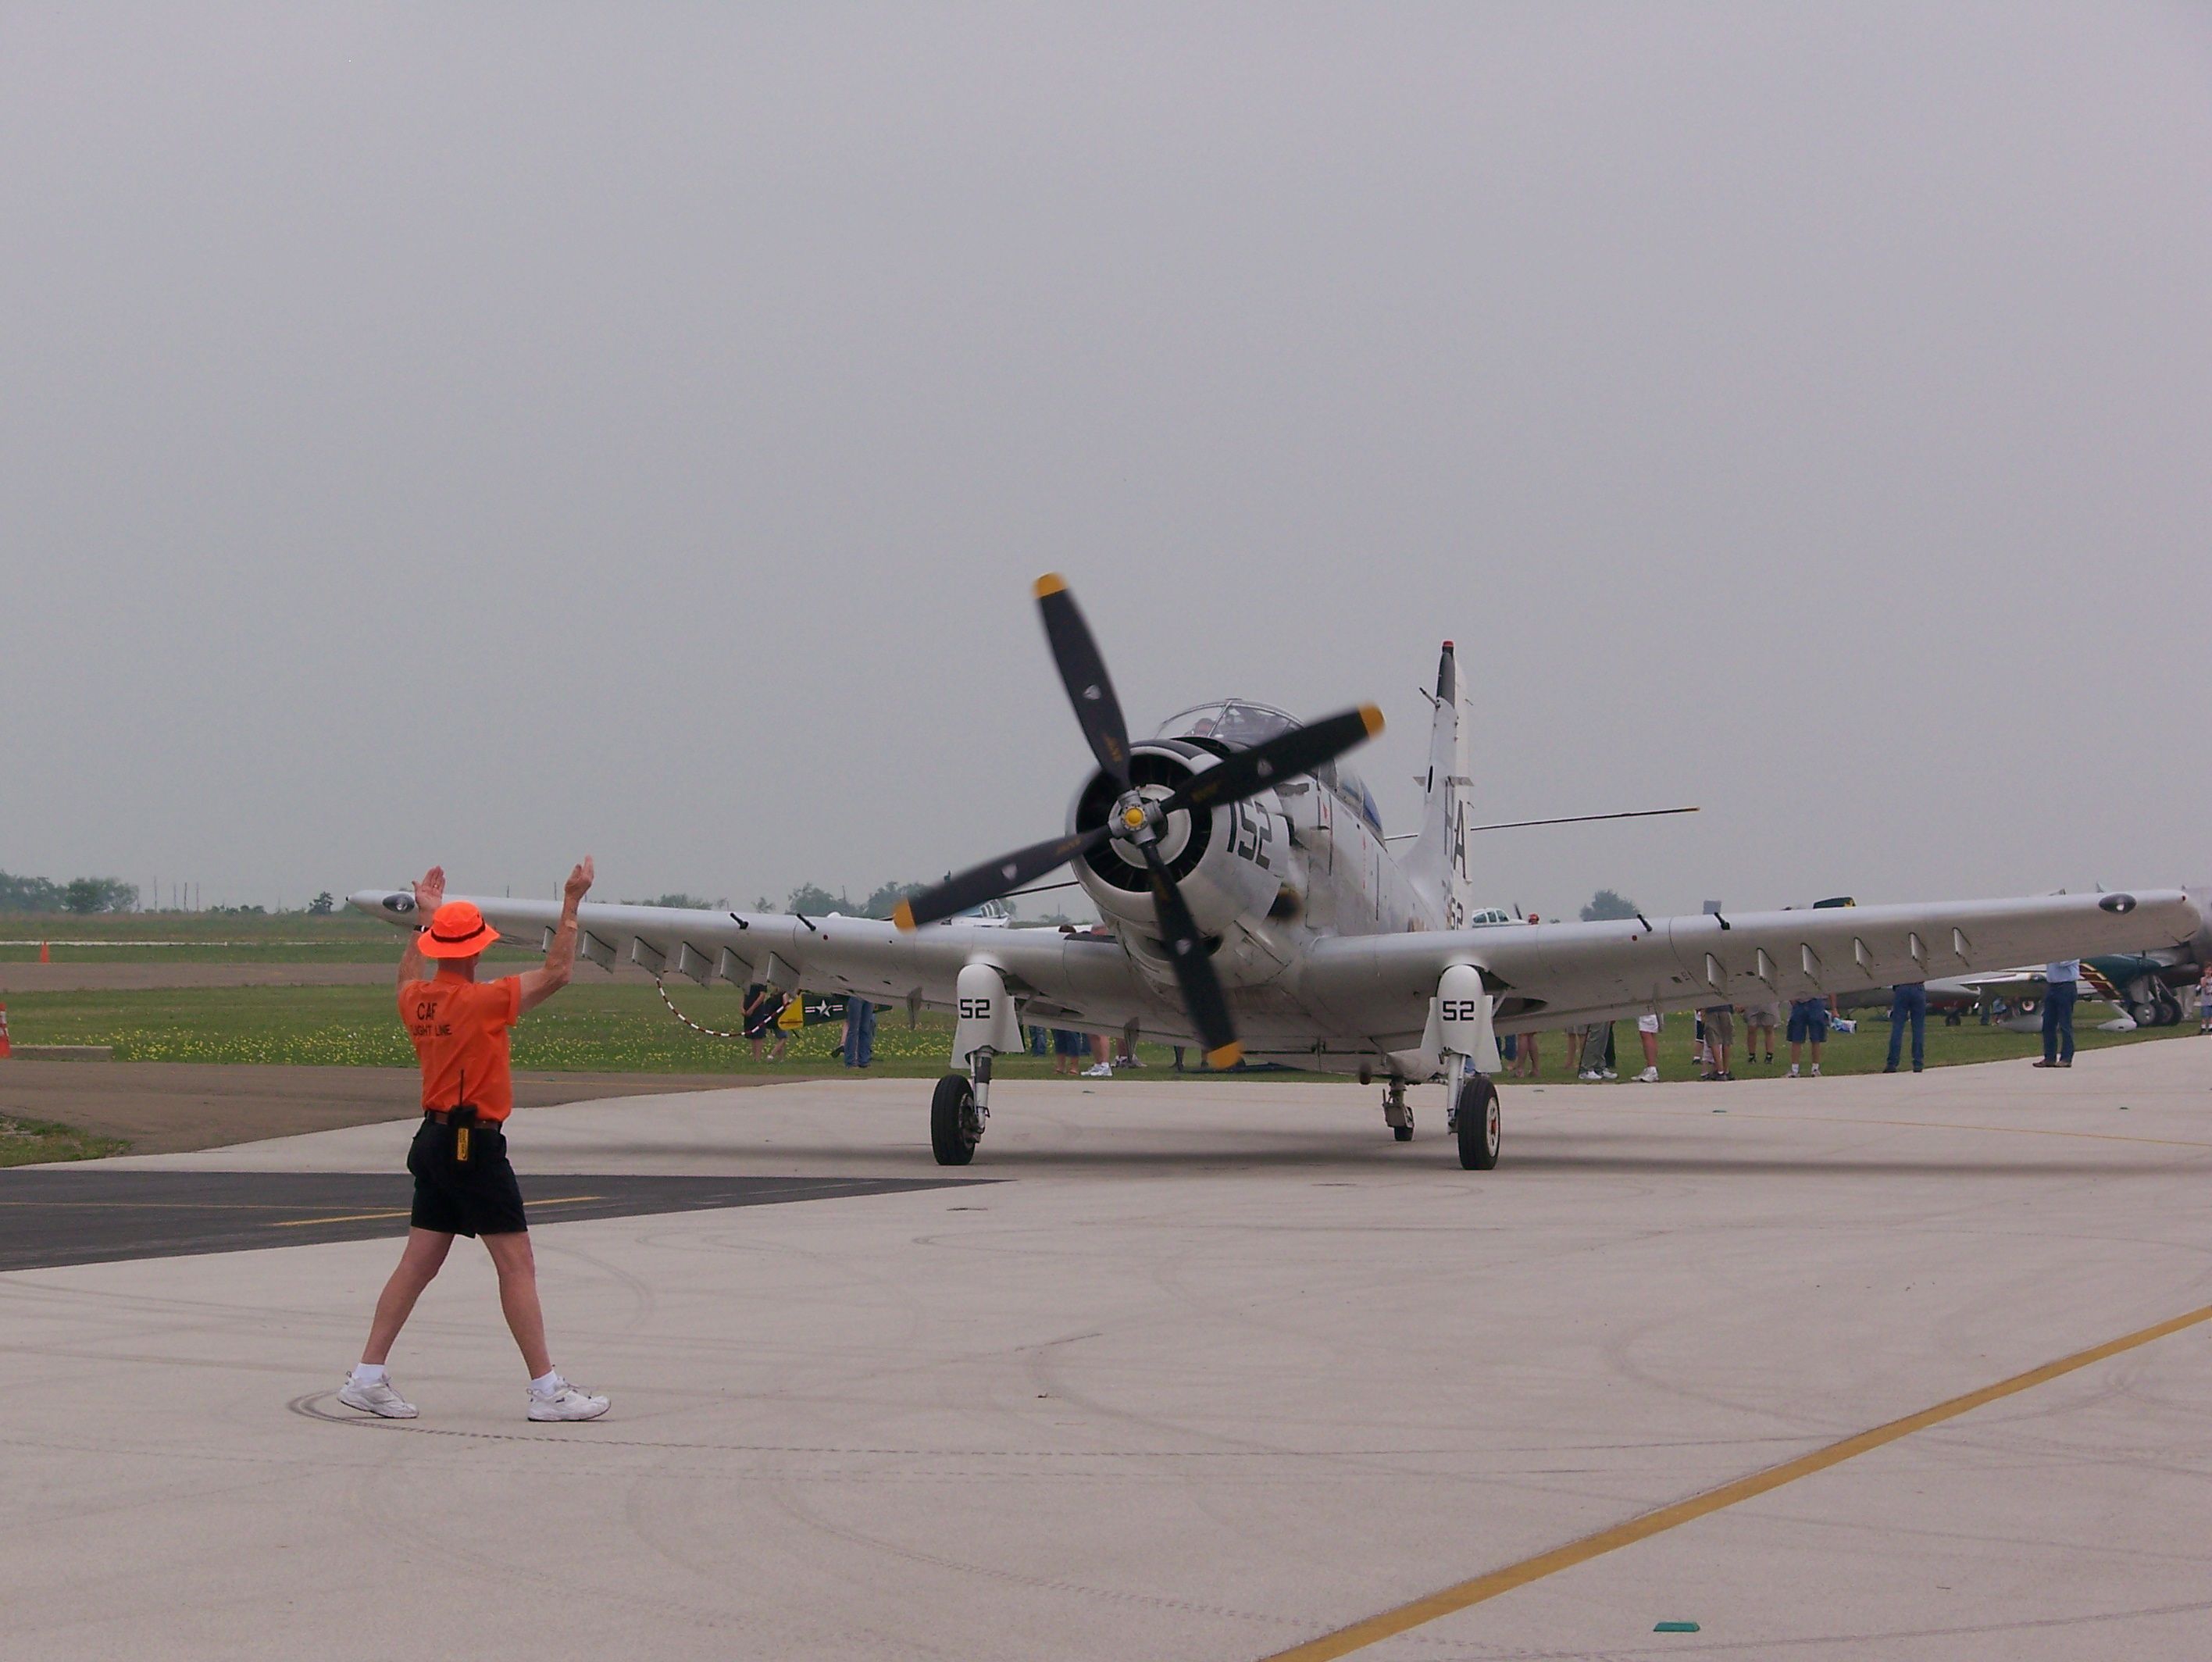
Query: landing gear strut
{"points": [[1397, 1113]]}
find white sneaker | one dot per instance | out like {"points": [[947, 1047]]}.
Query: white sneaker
{"points": [[1100, 1071], [1592, 1077], [1610, 1073], [565, 1403], [1816, 1069], [1793, 1070], [380, 1399], [1648, 1076]]}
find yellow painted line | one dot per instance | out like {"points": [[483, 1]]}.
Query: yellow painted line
{"points": [[1391, 1622], [368, 1217]]}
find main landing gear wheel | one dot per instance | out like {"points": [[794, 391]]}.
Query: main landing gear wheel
{"points": [[954, 1125], [2169, 1012], [1481, 1125]]}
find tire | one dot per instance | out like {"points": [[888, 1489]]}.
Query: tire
{"points": [[2142, 1012], [952, 1126], [2169, 1012], [1481, 1124], [1402, 1133]]}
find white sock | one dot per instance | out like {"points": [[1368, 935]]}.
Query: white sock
{"points": [[370, 1372], [547, 1384]]}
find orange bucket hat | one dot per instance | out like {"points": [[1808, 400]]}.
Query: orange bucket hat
{"points": [[457, 931]]}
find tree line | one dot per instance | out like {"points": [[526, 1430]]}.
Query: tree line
{"points": [[81, 896]]}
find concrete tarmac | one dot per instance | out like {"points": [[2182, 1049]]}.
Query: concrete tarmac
{"points": [[1215, 1370]]}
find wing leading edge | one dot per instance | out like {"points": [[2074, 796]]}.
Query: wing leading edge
{"points": [[1076, 980], [1554, 974]]}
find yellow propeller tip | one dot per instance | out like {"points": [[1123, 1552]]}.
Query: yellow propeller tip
{"points": [[1051, 582], [1227, 1056], [1373, 718], [902, 915]]}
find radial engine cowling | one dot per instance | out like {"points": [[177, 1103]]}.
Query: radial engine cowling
{"points": [[1227, 860]]}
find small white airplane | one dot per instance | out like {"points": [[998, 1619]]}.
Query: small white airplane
{"points": [[1257, 910]]}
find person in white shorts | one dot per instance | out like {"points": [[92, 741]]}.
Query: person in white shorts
{"points": [[1647, 1030]]}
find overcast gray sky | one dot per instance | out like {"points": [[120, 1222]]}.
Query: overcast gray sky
{"points": [[486, 434]]}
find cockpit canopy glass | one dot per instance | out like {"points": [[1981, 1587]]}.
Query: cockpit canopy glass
{"points": [[1240, 724], [1233, 722]]}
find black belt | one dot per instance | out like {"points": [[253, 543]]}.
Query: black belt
{"points": [[464, 1115]]}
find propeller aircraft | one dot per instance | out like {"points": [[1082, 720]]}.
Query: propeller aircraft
{"points": [[1256, 909]]}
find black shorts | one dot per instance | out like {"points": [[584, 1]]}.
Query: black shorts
{"points": [[475, 1196]]}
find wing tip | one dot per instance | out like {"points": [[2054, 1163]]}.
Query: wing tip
{"points": [[1050, 583]]}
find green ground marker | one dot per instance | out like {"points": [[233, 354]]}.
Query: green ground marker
{"points": [[1676, 1627]]}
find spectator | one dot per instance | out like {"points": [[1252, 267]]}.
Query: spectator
{"points": [[1068, 1049], [1647, 1030], [1766, 1016], [1720, 1035], [1102, 1057], [763, 1005], [1040, 1041], [2061, 986], [1529, 1062], [1597, 1058], [1808, 1026], [1908, 1002], [2204, 1001], [860, 1046]]}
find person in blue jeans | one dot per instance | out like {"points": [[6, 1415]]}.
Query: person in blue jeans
{"points": [[1908, 1002], [860, 1045], [2062, 981]]}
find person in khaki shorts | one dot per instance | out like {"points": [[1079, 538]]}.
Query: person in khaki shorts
{"points": [[464, 1185], [1755, 1017], [1720, 1036]]}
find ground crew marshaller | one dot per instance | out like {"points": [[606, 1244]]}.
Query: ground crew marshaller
{"points": [[463, 1183]]}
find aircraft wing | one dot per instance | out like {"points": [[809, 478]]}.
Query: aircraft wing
{"points": [[1548, 975], [1070, 980]]}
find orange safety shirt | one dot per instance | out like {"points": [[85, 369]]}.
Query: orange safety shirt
{"points": [[459, 1028]]}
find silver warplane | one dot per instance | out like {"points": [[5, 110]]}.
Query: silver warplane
{"points": [[1254, 909]]}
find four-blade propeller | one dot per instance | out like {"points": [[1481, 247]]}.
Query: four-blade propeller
{"points": [[1138, 820]]}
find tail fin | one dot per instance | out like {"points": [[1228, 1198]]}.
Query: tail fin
{"points": [[1436, 863]]}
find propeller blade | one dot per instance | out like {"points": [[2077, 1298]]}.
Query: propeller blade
{"points": [[1285, 756], [987, 881], [1202, 996], [1083, 672]]}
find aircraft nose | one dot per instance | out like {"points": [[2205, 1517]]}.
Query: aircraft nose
{"points": [[385, 903]]}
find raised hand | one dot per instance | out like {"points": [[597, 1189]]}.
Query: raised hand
{"points": [[580, 882], [430, 892]]}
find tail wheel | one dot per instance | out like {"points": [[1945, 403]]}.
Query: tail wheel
{"points": [[954, 1124], [1481, 1124]]}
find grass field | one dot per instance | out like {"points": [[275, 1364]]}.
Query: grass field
{"points": [[609, 1026], [35, 1142]]}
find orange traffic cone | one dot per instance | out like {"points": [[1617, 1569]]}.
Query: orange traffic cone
{"points": [[45, 956], [6, 1050]]}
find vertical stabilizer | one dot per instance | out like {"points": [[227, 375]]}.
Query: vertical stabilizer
{"points": [[1436, 863]]}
